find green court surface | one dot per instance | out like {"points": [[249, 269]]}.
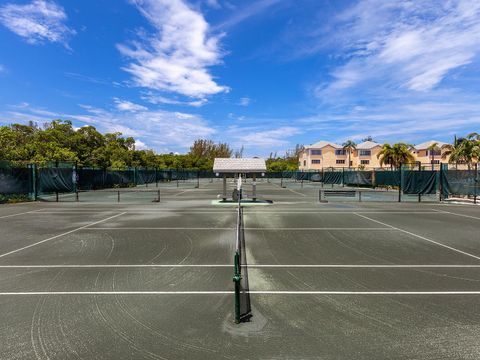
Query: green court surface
{"points": [[140, 279]]}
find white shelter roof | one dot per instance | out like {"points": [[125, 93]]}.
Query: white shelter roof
{"points": [[240, 165]]}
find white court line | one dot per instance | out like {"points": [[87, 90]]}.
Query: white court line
{"points": [[18, 214], [229, 292], [421, 237], [246, 229], [286, 266], [183, 192], [296, 192], [451, 213], [57, 236]]}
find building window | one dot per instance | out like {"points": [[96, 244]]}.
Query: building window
{"points": [[304, 162], [315, 152], [365, 152], [341, 152], [364, 162], [434, 152], [315, 161], [435, 161], [340, 161]]}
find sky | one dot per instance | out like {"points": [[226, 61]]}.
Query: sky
{"points": [[262, 74]]}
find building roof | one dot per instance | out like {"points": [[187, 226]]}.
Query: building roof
{"points": [[241, 165], [427, 144], [367, 145], [322, 144]]}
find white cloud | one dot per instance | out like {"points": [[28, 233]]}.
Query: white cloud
{"points": [[158, 99], [253, 9], [263, 138], [412, 121], [125, 105], [245, 101], [161, 130], [140, 145], [38, 21], [176, 57], [405, 45], [213, 4]]}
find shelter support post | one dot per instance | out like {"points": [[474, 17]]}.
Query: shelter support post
{"points": [[224, 196], [254, 187]]}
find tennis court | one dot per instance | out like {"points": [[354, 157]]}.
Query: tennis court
{"points": [[143, 279]]}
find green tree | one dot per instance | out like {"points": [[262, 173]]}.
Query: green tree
{"points": [[395, 155]]}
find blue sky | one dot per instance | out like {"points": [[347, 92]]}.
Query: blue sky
{"points": [[265, 74]]}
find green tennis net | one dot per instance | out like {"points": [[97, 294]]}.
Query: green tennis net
{"points": [[243, 309]]}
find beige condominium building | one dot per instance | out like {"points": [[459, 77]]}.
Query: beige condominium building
{"points": [[326, 154], [424, 155]]}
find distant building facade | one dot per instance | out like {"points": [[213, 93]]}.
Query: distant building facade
{"points": [[326, 154]]}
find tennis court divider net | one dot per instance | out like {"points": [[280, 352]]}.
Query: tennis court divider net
{"points": [[243, 310]]}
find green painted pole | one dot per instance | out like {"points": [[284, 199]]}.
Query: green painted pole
{"points": [[475, 179], [400, 184], [236, 279]]}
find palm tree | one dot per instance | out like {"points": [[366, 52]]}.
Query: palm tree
{"points": [[349, 146], [395, 155], [402, 154], [432, 148], [386, 155], [463, 150], [474, 136]]}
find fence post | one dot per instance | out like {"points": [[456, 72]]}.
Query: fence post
{"points": [[343, 177], [33, 182], [156, 177], [475, 183], [440, 183], [420, 169], [158, 192], [118, 195], [359, 195], [400, 184]]}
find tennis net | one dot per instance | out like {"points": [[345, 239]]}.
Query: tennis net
{"points": [[243, 309]]}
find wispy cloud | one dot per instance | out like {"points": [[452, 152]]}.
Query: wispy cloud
{"points": [[36, 22], [163, 131], [3, 69], [90, 79], [125, 105], [158, 99], [271, 139], [244, 101], [176, 57], [213, 4], [405, 45], [409, 121], [241, 14]]}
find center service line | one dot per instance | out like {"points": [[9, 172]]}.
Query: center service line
{"points": [[60, 235]]}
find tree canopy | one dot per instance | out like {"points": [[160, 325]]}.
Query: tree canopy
{"points": [[59, 141]]}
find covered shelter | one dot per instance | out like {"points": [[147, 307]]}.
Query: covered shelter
{"points": [[252, 166]]}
